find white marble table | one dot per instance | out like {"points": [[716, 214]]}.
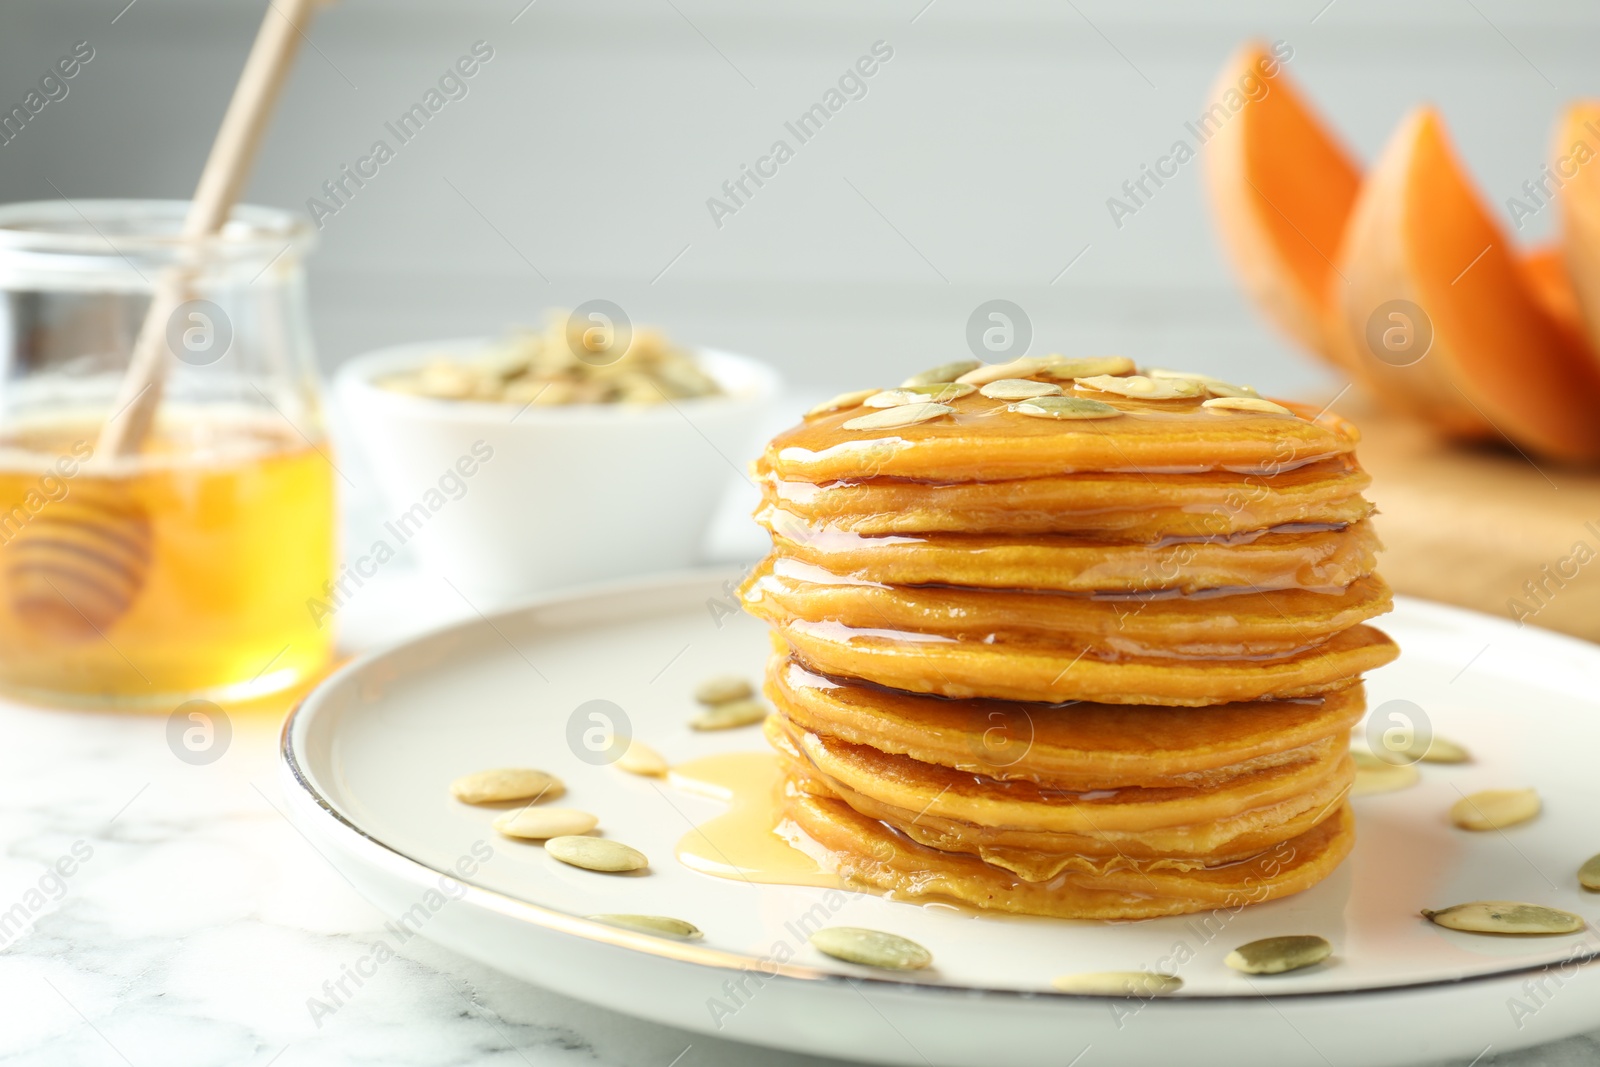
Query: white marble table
{"points": [[194, 923]]}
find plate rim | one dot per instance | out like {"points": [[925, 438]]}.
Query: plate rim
{"points": [[421, 874]]}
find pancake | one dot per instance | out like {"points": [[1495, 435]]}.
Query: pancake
{"points": [[1285, 557], [1165, 435], [1136, 506], [868, 853], [1242, 625], [1041, 671], [1072, 746]]}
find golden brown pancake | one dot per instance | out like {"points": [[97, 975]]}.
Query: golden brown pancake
{"points": [[1042, 671], [1242, 625], [1134, 506], [1072, 746], [867, 852], [1289, 557], [1162, 435]]}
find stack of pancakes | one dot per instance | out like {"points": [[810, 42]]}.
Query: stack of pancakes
{"points": [[1095, 655]]}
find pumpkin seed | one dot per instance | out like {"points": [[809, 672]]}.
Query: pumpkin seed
{"points": [[871, 948], [1439, 750], [944, 372], [1504, 917], [1589, 873], [1064, 369], [538, 824], [1142, 388], [1118, 983], [895, 417], [660, 925], [1065, 407], [842, 401], [918, 394], [1495, 809], [1022, 367], [1374, 775], [1275, 955], [506, 783], [1018, 389], [1245, 403], [596, 854], [1214, 386], [732, 714], [639, 758], [723, 688]]}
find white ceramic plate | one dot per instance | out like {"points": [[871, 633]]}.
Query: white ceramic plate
{"points": [[369, 755]]}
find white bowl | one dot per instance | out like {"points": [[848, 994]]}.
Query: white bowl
{"points": [[507, 501]]}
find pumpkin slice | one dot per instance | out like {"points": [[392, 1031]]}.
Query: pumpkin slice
{"points": [[1424, 259], [1281, 189], [1575, 152]]}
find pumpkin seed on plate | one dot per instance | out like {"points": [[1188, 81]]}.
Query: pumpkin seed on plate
{"points": [[1495, 809], [1589, 873], [506, 783], [538, 824], [723, 688], [1118, 983], [1374, 775], [871, 948], [1504, 917], [1245, 403], [896, 417], [940, 393], [729, 715], [1275, 955], [1140, 387], [1065, 407], [944, 372], [843, 400], [596, 854], [1439, 750], [639, 758], [660, 925], [1063, 369], [1018, 389]]}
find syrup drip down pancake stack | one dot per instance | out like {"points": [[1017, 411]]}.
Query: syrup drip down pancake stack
{"points": [[1057, 638]]}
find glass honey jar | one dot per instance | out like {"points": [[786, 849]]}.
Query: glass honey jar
{"points": [[181, 568]]}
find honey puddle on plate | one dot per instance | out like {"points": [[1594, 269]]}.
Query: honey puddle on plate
{"points": [[742, 843]]}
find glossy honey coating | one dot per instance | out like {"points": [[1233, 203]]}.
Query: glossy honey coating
{"points": [[1081, 746], [1085, 659], [868, 853], [1239, 625], [1324, 558]]}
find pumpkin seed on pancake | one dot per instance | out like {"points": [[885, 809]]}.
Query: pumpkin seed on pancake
{"points": [[1019, 389], [843, 400], [901, 415], [1066, 369], [944, 372], [1245, 403], [1066, 407], [1140, 387], [918, 394]]}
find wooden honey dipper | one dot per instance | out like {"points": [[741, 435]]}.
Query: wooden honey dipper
{"points": [[77, 567]]}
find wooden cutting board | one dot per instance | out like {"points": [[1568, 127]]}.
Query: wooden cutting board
{"points": [[1482, 527]]}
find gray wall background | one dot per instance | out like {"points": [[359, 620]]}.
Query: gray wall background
{"points": [[977, 166]]}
